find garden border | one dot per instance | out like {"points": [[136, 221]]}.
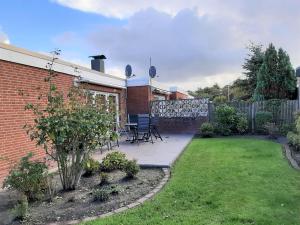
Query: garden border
{"points": [[288, 155], [167, 175]]}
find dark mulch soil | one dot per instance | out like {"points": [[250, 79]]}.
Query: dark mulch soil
{"points": [[79, 204]]}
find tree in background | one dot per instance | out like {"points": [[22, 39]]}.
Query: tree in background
{"points": [[251, 66], [207, 92], [276, 77], [269, 75], [239, 90], [286, 76]]}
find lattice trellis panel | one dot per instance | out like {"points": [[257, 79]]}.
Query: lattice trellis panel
{"points": [[189, 108]]}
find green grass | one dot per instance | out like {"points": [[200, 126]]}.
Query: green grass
{"points": [[224, 181]]}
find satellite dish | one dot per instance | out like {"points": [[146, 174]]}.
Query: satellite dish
{"points": [[152, 71], [128, 71]]}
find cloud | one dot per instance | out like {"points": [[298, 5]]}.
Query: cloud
{"points": [[192, 43], [125, 9], [4, 37], [182, 47]]}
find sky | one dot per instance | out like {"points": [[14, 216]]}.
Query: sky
{"points": [[192, 43]]}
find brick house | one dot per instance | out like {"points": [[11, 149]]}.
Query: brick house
{"points": [[23, 70], [141, 91]]}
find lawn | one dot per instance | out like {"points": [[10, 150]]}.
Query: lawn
{"points": [[226, 181]]}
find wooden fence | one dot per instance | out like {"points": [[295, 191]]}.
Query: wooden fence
{"points": [[282, 110]]}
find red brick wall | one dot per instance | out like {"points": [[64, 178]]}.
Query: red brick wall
{"points": [[180, 125], [138, 99], [14, 142], [177, 96]]}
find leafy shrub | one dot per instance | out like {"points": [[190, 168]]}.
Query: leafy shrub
{"points": [[113, 161], [21, 209], [294, 140], [294, 136], [241, 123], [207, 130], [103, 178], [261, 119], [91, 166], [225, 119], [229, 120], [220, 99], [131, 168], [115, 190], [285, 128], [69, 126], [28, 177], [101, 195]]}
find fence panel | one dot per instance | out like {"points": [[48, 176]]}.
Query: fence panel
{"points": [[283, 110], [187, 108]]}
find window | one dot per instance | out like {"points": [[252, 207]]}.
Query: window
{"points": [[107, 101]]}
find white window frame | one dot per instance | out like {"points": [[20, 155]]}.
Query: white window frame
{"points": [[107, 94]]}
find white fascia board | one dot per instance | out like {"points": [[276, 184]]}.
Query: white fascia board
{"points": [[145, 81], [21, 56], [138, 81]]}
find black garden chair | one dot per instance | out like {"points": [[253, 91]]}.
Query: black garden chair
{"points": [[143, 130], [154, 127]]}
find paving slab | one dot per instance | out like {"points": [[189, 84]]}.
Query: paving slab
{"points": [[159, 154]]}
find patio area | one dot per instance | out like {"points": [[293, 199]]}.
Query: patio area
{"points": [[159, 154]]}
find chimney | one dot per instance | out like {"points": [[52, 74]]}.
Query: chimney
{"points": [[97, 63]]}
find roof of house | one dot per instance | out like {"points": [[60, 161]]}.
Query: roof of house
{"points": [[145, 81], [23, 56]]}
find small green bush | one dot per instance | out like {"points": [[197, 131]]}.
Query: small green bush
{"points": [[103, 178], [294, 140], [115, 190], [91, 166], [131, 168], [225, 119], [28, 177], [241, 123], [101, 195], [20, 211], [113, 161], [287, 127], [261, 119], [207, 130]]}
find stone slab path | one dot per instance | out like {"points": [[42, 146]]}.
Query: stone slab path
{"points": [[159, 154]]}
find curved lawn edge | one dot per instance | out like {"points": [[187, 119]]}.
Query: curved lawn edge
{"points": [[126, 207], [289, 157], [200, 151]]}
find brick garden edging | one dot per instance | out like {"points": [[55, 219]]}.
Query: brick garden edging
{"points": [[136, 203]]}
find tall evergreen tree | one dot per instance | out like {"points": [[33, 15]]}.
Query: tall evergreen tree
{"points": [[286, 75], [251, 66], [276, 77]]}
